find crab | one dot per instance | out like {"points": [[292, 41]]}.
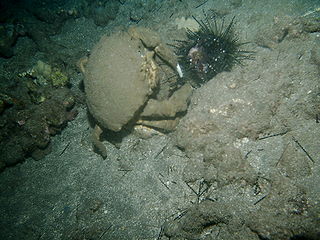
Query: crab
{"points": [[123, 84]]}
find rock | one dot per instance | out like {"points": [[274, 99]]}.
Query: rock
{"points": [[8, 37]]}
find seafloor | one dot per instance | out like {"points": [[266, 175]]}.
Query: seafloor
{"points": [[244, 162]]}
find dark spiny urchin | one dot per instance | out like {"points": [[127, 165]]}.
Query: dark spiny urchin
{"points": [[212, 49]]}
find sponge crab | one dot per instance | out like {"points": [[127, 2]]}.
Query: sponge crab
{"points": [[122, 78]]}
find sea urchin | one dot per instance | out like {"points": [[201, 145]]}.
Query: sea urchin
{"points": [[212, 49]]}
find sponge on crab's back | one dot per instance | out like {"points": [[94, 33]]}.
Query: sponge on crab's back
{"points": [[115, 84]]}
